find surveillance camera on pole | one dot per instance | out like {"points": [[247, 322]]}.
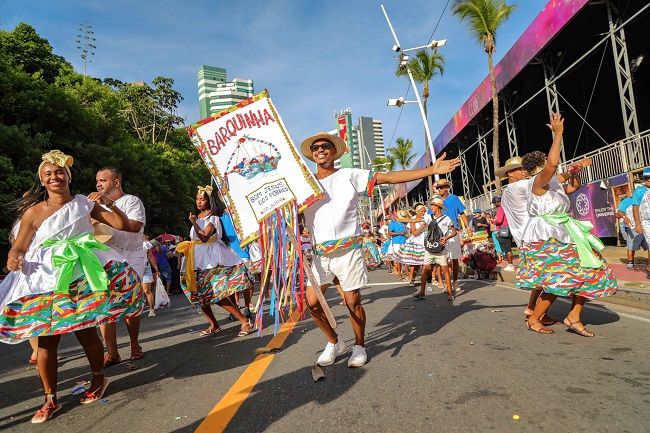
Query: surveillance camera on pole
{"points": [[396, 48], [436, 44]]}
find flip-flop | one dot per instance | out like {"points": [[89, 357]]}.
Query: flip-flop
{"points": [[49, 413], [97, 394], [419, 297]]}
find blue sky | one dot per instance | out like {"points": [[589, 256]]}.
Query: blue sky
{"points": [[315, 57]]}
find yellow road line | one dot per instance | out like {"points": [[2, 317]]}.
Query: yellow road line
{"points": [[219, 417]]}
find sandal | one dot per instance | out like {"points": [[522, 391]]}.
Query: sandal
{"points": [[243, 333], [419, 297], [137, 354], [109, 361], [542, 330], [97, 394], [451, 298], [46, 414], [210, 331], [572, 327]]}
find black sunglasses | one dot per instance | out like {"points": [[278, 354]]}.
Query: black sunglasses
{"points": [[324, 146]]}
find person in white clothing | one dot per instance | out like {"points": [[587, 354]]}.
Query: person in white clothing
{"points": [[214, 272], [513, 203], [127, 242], [337, 238], [448, 231]]}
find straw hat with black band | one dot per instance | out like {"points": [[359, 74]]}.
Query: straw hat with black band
{"points": [[511, 164], [339, 144], [103, 233]]}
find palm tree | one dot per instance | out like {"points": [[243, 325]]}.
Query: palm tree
{"points": [[484, 17], [402, 152], [424, 67]]}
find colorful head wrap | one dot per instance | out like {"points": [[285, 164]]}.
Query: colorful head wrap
{"points": [[59, 159]]}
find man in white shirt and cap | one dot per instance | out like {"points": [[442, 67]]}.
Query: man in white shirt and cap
{"points": [[337, 238]]}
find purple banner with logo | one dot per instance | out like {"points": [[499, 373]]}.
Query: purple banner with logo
{"points": [[594, 202]]}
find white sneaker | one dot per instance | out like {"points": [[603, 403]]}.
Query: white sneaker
{"points": [[152, 313], [509, 268], [359, 357], [455, 285], [330, 353]]}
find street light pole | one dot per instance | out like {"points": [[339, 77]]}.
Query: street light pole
{"points": [[417, 94]]}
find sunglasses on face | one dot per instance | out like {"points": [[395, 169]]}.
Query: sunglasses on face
{"points": [[324, 146], [443, 187]]}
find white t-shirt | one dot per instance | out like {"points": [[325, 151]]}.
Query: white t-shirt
{"points": [[335, 215], [126, 243], [444, 222], [514, 203]]}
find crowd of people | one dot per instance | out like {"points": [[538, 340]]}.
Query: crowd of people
{"points": [[63, 279]]}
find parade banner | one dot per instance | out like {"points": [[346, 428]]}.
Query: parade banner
{"points": [[255, 163], [594, 202]]}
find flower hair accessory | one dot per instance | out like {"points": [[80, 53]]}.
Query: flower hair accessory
{"points": [[59, 159], [205, 189]]}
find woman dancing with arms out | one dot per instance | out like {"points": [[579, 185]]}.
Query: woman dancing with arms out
{"points": [[62, 280], [561, 255], [213, 270]]}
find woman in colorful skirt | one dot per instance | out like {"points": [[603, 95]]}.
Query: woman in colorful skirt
{"points": [[412, 253], [370, 251], [213, 270], [63, 280], [560, 255]]}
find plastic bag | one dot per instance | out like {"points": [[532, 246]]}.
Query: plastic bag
{"points": [[162, 298]]}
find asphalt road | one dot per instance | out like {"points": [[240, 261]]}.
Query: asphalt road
{"points": [[434, 365]]}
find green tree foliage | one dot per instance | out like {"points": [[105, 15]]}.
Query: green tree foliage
{"points": [[45, 104], [403, 152]]}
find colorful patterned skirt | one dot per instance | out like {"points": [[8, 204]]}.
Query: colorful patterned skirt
{"points": [[371, 255], [554, 267], [54, 314], [212, 285], [412, 253]]}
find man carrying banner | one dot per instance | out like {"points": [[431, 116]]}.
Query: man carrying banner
{"points": [[337, 238]]}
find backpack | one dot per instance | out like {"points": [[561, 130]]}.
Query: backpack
{"points": [[434, 234]]}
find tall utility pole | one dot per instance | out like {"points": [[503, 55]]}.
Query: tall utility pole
{"points": [[85, 42]]}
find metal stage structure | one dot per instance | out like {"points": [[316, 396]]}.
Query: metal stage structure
{"points": [[582, 58]]}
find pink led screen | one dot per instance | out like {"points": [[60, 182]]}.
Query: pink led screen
{"points": [[555, 15]]}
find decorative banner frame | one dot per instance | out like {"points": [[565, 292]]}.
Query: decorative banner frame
{"points": [[255, 163]]}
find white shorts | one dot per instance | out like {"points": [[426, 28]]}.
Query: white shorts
{"points": [[147, 277], [453, 248], [437, 259], [347, 265]]}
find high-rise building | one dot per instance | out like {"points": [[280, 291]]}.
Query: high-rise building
{"points": [[216, 94], [371, 140]]}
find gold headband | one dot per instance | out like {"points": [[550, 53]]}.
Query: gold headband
{"points": [[59, 159], [206, 189]]}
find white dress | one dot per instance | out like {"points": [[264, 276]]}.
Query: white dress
{"points": [[31, 306]]}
